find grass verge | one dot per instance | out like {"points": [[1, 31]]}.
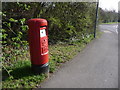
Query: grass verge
{"points": [[19, 73], [110, 23]]}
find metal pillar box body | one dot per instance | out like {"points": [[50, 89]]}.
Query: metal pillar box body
{"points": [[38, 42]]}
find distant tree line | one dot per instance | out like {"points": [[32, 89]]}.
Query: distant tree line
{"points": [[106, 16]]}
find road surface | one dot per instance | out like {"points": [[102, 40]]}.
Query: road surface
{"points": [[95, 67]]}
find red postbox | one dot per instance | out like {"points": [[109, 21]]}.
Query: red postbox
{"points": [[38, 42]]}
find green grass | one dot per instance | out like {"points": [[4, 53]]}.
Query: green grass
{"points": [[20, 71], [21, 76], [110, 23], [98, 33]]}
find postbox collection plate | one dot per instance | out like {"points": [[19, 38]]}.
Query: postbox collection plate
{"points": [[44, 42], [42, 33]]}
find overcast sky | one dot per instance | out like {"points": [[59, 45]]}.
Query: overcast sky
{"points": [[109, 4]]}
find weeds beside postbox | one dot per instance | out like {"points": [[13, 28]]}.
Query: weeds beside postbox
{"points": [[38, 42]]}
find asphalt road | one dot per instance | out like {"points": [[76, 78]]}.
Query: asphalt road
{"points": [[109, 27], [95, 67]]}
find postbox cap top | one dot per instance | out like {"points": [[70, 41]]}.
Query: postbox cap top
{"points": [[38, 19]]}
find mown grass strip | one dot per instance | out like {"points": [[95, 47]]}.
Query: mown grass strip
{"points": [[110, 23]]}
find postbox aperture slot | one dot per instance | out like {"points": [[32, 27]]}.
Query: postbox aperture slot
{"points": [[42, 26]]}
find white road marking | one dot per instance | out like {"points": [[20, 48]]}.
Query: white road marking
{"points": [[116, 29], [107, 31]]}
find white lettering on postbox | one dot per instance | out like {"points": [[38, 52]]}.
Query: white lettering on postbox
{"points": [[42, 33]]}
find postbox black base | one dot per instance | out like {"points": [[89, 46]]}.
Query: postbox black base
{"points": [[39, 69]]}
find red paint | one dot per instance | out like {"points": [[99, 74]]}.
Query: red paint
{"points": [[38, 45]]}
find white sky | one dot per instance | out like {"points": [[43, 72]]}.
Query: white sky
{"points": [[109, 4]]}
